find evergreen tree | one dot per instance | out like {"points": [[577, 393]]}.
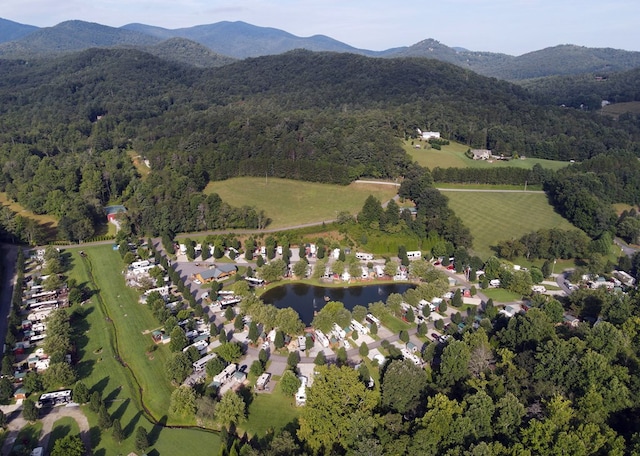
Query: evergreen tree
{"points": [[104, 419], [279, 340], [142, 439], [117, 432]]}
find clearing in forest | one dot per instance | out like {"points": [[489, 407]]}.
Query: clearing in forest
{"points": [[497, 216], [453, 156], [289, 202]]}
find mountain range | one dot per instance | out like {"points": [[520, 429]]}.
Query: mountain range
{"points": [[220, 43]]}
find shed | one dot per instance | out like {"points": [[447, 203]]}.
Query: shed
{"points": [[20, 393]]}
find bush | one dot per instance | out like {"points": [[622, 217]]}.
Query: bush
{"points": [[29, 410], [439, 324]]}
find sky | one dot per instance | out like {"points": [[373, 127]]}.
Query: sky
{"points": [[510, 26]]}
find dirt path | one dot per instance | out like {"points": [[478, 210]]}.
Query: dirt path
{"points": [[48, 420]]}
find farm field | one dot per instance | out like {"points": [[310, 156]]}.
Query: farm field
{"points": [[100, 371], [494, 216], [288, 202], [452, 156]]}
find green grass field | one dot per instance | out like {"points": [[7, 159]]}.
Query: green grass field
{"points": [[270, 412], [494, 217], [61, 428], [501, 295], [289, 202], [452, 156], [100, 370]]}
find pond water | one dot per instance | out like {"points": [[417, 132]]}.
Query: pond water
{"points": [[307, 299]]}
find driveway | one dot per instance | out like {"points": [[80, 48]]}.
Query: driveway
{"points": [[48, 420]]}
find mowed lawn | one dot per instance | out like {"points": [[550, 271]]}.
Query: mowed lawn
{"points": [[289, 202], [494, 217], [100, 370], [270, 412], [61, 428], [452, 156]]}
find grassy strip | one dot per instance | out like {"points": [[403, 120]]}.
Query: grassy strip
{"points": [[394, 324], [101, 369], [501, 295]]}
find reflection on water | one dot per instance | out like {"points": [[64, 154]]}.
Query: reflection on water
{"points": [[307, 299]]}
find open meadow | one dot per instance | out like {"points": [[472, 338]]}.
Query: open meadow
{"points": [[496, 216], [452, 156], [288, 202], [113, 318], [616, 109]]}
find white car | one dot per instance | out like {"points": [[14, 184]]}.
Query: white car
{"points": [[196, 281]]}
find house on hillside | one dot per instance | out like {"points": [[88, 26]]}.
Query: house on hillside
{"points": [[426, 135], [217, 272], [481, 154]]}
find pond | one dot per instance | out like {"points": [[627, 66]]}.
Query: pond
{"points": [[307, 299]]}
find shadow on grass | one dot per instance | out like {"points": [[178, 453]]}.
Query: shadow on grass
{"points": [[58, 432], [112, 395], [100, 386], [157, 428], [96, 436], [28, 438], [120, 410], [132, 425]]}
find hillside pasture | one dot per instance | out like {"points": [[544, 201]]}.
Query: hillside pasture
{"points": [[497, 216], [616, 109], [453, 156], [289, 202]]}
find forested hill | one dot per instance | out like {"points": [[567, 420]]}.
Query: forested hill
{"points": [[588, 91], [240, 40], [326, 117]]}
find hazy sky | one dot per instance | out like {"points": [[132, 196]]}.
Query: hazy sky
{"points": [[510, 26]]}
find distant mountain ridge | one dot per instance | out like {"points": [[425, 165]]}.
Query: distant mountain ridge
{"points": [[220, 43], [10, 31]]}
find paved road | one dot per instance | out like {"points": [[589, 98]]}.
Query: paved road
{"points": [[487, 190], [7, 282], [48, 421], [626, 248]]}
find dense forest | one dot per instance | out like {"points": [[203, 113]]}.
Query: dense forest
{"points": [[67, 125], [587, 91]]}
